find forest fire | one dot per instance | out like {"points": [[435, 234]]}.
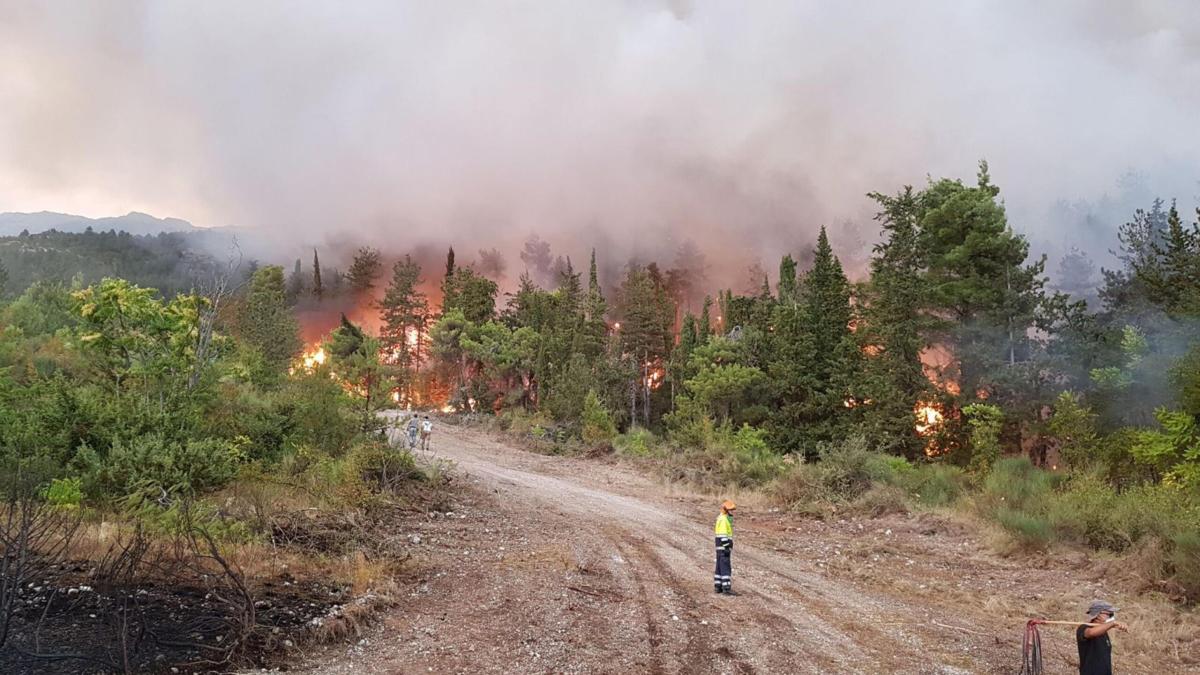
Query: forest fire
{"points": [[654, 377], [929, 423], [314, 358]]}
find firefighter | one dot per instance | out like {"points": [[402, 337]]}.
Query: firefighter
{"points": [[723, 577]]}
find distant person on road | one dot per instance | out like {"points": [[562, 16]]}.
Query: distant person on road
{"points": [[723, 577], [426, 432], [413, 425], [1095, 649]]}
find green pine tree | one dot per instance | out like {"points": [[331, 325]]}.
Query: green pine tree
{"points": [[265, 322], [364, 271], [318, 289]]}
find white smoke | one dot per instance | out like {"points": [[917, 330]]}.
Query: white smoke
{"points": [[636, 125]]}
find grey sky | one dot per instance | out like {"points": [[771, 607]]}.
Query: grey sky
{"points": [[632, 124]]}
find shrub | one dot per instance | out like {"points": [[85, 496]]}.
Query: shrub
{"points": [[748, 460], [383, 467], [889, 469], [151, 462], [801, 489], [881, 500], [844, 466], [1015, 483], [65, 492], [1074, 425], [1185, 561], [1087, 511], [637, 442], [1029, 530], [985, 422], [597, 426], [935, 484]]}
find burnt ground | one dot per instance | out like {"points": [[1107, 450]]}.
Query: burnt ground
{"points": [[64, 625], [562, 565]]}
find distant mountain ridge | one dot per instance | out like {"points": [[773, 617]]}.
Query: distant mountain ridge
{"points": [[12, 224]]}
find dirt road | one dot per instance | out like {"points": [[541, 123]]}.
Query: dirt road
{"points": [[557, 565]]}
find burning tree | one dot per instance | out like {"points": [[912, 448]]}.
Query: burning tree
{"points": [[355, 357], [405, 314], [647, 315]]}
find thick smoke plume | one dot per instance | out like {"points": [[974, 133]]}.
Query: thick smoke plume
{"points": [[634, 127]]}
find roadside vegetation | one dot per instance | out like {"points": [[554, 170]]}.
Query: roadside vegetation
{"points": [[178, 490], [950, 377]]}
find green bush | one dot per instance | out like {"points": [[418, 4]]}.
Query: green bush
{"points": [[65, 492], [1016, 484], [597, 426], [1185, 561], [748, 460], [1029, 530], [151, 462], [935, 484], [890, 469], [1087, 511], [637, 442], [383, 467], [845, 466]]}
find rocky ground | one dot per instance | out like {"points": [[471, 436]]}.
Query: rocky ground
{"points": [[559, 565]]}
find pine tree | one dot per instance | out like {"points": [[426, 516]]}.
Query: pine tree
{"points": [[814, 363], [788, 288], [469, 293], [365, 269], [571, 288], [704, 325], [596, 307], [595, 329], [449, 263], [296, 284], [978, 279], [646, 315], [891, 332], [537, 258], [491, 264], [1172, 282], [404, 312], [318, 289], [265, 322], [1077, 276]]}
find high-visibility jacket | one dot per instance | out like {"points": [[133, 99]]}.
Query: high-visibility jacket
{"points": [[724, 527]]}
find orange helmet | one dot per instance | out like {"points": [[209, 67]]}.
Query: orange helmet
{"points": [[728, 505]]}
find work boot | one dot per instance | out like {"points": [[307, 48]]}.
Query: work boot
{"points": [[728, 590], [717, 589]]}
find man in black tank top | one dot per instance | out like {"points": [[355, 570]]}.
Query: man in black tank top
{"points": [[1095, 649]]}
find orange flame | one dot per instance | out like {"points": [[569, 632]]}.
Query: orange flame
{"points": [[929, 422]]}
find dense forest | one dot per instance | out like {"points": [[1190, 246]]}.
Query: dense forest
{"points": [[951, 374]]}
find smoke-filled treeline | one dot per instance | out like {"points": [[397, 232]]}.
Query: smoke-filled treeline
{"points": [[952, 353], [954, 313]]}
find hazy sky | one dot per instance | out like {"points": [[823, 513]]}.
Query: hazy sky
{"points": [[591, 122]]}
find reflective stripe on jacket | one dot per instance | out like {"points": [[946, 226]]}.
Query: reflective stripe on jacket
{"points": [[724, 526]]}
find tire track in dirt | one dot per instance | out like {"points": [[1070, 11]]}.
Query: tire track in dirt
{"points": [[653, 630]]}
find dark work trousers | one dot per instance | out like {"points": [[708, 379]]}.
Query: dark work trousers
{"points": [[723, 577]]}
